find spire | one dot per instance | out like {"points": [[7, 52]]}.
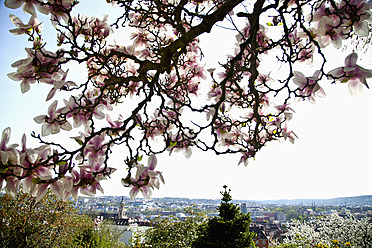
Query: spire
{"points": [[121, 214]]}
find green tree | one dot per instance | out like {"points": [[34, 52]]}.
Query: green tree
{"points": [[27, 223], [171, 232], [89, 235], [49, 223], [230, 229]]}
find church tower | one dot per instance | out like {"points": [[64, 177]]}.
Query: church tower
{"points": [[122, 210]]}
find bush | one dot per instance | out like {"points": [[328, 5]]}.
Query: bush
{"points": [[171, 232], [49, 223]]}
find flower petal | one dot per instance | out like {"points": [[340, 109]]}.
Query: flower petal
{"points": [[133, 192], [46, 129], [146, 192], [40, 119], [57, 188], [25, 86], [42, 190], [12, 186], [151, 162], [4, 157], [355, 87], [29, 8], [13, 4], [350, 60], [187, 152], [140, 171], [66, 126], [52, 92], [361, 28], [5, 138]]}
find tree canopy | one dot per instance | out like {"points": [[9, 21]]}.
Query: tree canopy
{"points": [[151, 93], [229, 229], [50, 222]]}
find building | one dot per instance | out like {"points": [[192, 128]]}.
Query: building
{"points": [[261, 240], [121, 214], [281, 217], [243, 208]]}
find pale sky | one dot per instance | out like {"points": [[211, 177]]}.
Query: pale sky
{"points": [[331, 158]]}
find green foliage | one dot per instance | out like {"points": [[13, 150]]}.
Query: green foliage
{"points": [[25, 223], [172, 232], [229, 230], [91, 235], [49, 223]]}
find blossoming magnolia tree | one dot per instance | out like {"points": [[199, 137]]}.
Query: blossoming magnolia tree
{"points": [[172, 102]]}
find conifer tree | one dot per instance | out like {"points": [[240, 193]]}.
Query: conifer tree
{"points": [[229, 229]]}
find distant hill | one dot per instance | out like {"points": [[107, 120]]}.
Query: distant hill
{"points": [[364, 200]]}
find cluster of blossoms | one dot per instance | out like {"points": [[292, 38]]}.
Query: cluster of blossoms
{"points": [[40, 168], [146, 179], [333, 231], [332, 25], [41, 66], [159, 77]]}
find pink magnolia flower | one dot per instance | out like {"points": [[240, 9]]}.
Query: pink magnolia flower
{"points": [[289, 134], [135, 18], [322, 11], [251, 152], [306, 53], [12, 184], [139, 38], [57, 9], [358, 10], [43, 173], [28, 156], [286, 110], [330, 35], [180, 143], [210, 113], [33, 23], [25, 73], [101, 27], [51, 125], [28, 6], [8, 153], [95, 147], [79, 110], [57, 188], [87, 182], [308, 86], [28, 186], [351, 73], [145, 174], [215, 93], [59, 83], [72, 110], [40, 66], [262, 79], [132, 88], [328, 28], [115, 124]]}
